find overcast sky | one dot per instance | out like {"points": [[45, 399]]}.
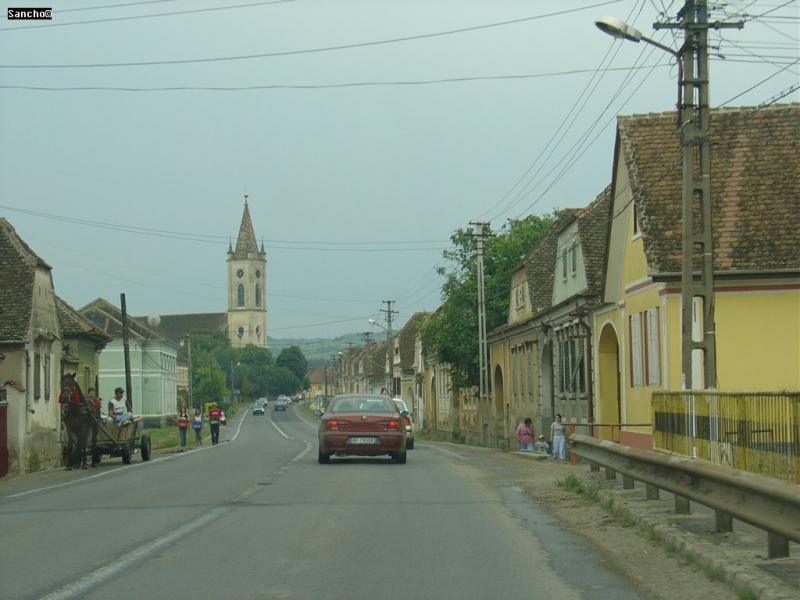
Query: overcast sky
{"points": [[355, 189]]}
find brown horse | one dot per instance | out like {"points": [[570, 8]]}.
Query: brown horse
{"points": [[78, 419]]}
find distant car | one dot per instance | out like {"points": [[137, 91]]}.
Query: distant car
{"points": [[281, 404], [409, 420], [362, 425], [258, 408]]}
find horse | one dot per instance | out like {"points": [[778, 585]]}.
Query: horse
{"points": [[79, 420]]}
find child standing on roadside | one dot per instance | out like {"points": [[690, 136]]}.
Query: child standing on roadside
{"points": [[197, 425]]}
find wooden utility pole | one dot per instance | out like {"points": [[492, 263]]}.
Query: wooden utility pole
{"points": [[389, 348], [697, 273], [127, 353], [479, 234]]}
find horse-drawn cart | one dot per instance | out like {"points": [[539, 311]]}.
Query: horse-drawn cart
{"points": [[120, 440]]}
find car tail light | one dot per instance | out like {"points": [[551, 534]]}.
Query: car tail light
{"points": [[408, 421], [391, 425]]}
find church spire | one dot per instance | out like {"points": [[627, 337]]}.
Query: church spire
{"points": [[246, 242]]}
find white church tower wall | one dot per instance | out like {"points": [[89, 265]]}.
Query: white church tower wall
{"points": [[247, 297]]}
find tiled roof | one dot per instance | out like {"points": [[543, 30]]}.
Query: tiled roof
{"points": [[407, 336], [74, 324], [755, 186], [541, 260], [593, 231], [17, 266], [175, 327], [108, 318], [246, 242]]}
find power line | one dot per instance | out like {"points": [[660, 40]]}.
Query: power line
{"points": [[223, 240], [305, 326], [565, 119], [318, 86], [106, 6], [151, 16], [314, 50]]}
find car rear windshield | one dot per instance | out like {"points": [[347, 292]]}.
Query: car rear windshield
{"points": [[374, 405]]}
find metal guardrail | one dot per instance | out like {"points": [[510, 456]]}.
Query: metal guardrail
{"points": [[768, 504]]}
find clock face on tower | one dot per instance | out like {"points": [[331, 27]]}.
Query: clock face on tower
{"points": [[240, 273]]}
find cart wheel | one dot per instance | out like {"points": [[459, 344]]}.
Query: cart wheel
{"points": [[144, 446], [126, 455]]}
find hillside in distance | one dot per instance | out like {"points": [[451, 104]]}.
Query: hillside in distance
{"points": [[317, 350]]}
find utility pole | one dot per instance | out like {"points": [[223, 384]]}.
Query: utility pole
{"points": [[479, 234], [127, 353], [366, 337], [389, 349], [189, 352], [698, 245]]}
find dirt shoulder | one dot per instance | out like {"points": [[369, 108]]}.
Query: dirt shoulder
{"points": [[659, 567]]}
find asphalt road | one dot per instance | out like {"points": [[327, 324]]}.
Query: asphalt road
{"points": [[257, 517]]}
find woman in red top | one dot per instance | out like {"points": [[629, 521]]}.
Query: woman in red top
{"points": [[525, 435]]}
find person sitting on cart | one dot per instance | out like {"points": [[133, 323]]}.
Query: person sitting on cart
{"points": [[117, 409]]}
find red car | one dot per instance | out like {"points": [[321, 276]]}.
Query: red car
{"points": [[362, 425]]}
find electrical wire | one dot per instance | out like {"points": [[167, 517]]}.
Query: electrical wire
{"points": [[222, 240], [151, 16], [315, 50], [317, 86]]}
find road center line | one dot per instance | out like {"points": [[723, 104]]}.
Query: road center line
{"points": [[80, 587], [288, 437]]}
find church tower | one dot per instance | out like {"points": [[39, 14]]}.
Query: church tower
{"points": [[247, 298]]}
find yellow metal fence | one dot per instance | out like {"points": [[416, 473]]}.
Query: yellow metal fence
{"points": [[757, 432]]}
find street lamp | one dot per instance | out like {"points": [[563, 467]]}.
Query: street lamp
{"points": [[233, 380], [622, 31]]}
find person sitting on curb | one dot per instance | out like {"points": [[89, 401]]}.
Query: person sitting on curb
{"points": [[541, 446]]}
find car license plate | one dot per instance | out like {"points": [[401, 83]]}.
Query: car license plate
{"points": [[358, 441]]}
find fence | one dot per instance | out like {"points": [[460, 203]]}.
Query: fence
{"points": [[757, 432]]}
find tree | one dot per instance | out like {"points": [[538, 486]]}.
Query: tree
{"points": [[292, 358], [208, 382], [451, 332]]}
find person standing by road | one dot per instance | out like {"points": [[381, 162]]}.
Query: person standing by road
{"points": [[214, 418], [559, 442], [197, 425], [524, 434], [183, 426]]}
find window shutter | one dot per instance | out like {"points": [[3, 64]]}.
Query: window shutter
{"points": [[653, 375], [636, 348]]}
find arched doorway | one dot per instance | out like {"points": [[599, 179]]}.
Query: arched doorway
{"points": [[609, 408]]}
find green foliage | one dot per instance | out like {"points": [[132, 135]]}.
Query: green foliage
{"points": [[252, 370], [34, 463], [292, 358], [451, 332]]}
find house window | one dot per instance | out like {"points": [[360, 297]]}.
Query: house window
{"points": [[47, 377], [240, 295], [37, 376], [87, 381], [258, 295], [574, 252], [635, 220], [637, 358], [564, 264], [514, 372], [571, 375], [530, 371]]}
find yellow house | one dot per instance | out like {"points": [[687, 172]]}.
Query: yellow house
{"points": [[755, 191]]}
